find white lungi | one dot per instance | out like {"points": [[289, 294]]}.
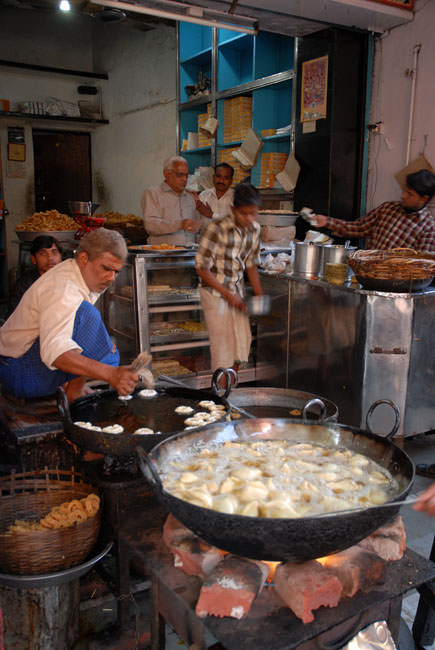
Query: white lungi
{"points": [[229, 331]]}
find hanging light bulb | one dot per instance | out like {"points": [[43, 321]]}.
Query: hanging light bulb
{"points": [[64, 5]]}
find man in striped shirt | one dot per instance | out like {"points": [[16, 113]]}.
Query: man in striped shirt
{"points": [[230, 246], [394, 224]]}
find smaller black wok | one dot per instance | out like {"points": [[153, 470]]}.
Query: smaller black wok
{"points": [[296, 540], [104, 408]]}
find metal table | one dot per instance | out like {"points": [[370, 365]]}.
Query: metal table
{"points": [[354, 347]]}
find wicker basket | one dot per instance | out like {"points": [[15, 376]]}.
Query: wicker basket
{"points": [[30, 496], [394, 264]]}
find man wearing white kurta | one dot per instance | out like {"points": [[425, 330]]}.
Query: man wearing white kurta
{"points": [[56, 336], [168, 209], [217, 200]]}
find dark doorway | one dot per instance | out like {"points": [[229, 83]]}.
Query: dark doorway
{"points": [[62, 169]]}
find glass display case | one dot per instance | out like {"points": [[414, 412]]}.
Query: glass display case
{"points": [[154, 305]]}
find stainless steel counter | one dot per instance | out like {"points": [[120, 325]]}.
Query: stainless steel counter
{"points": [[353, 347]]}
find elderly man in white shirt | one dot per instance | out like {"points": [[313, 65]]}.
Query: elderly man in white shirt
{"points": [[56, 336], [168, 209], [218, 200]]}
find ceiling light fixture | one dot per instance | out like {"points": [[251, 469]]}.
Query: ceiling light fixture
{"points": [[186, 13], [64, 5]]}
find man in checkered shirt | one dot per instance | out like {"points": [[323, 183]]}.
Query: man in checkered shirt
{"points": [[394, 224], [229, 246]]}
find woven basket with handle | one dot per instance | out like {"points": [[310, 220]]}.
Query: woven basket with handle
{"points": [[394, 264], [30, 496]]}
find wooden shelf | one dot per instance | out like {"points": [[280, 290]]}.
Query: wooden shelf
{"points": [[45, 68], [58, 118]]}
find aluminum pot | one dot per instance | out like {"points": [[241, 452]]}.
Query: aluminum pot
{"points": [[296, 540], [268, 402], [334, 254], [308, 259]]}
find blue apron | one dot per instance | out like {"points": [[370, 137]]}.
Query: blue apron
{"points": [[28, 376]]}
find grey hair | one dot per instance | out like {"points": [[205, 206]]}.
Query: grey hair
{"points": [[102, 240], [170, 162]]}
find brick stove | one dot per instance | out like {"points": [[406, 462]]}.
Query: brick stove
{"points": [[180, 598]]}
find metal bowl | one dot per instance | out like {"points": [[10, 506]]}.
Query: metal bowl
{"points": [[82, 207], [259, 305]]}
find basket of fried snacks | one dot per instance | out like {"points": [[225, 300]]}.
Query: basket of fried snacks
{"points": [[49, 520]]}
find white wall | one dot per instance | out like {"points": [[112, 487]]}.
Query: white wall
{"points": [[138, 99], [391, 102], [129, 155]]}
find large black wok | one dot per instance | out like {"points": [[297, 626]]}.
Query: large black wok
{"points": [[103, 408], [282, 539]]}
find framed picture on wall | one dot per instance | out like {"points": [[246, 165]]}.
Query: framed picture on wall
{"points": [[314, 90], [17, 151]]}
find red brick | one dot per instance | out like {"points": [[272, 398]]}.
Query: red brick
{"points": [[231, 588], [356, 568], [195, 557], [305, 587], [173, 530], [389, 541]]}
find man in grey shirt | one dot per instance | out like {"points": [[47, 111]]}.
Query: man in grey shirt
{"points": [[169, 209]]}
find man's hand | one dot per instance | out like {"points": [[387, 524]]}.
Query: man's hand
{"points": [[190, 225], [123, 379], [426, 501], [319, 220], [204, 209], [234, 300]]}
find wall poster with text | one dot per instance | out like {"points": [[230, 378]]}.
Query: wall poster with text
{"points": [[314, 90]]}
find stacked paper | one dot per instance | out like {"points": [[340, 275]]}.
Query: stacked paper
{"points": [[271, 164], [248, 152], [204, 140], [226, 155], [237, 118]]}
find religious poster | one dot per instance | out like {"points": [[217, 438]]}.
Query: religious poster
{"points": [[314, 89]]}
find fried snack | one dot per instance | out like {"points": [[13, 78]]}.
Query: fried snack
{"points": [[20, 526], [47, 221], [67, 514], [91, 504], [122, 219]]}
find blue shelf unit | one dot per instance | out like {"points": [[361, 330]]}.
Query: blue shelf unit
{"points": [[195, 52], [272, 53], [199, 157], [235, 59], [272, 107]]}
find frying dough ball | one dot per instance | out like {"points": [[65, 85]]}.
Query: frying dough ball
{"points": [[125, 398], [207, 403], [144, 431], [84, 425], [113, 428], [147, 392], [184, 410]]}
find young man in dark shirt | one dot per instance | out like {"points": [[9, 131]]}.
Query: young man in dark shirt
{"points": [[44, 253]]}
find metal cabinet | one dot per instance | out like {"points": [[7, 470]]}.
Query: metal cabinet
{"points": [[353, 347], [154, 305]]}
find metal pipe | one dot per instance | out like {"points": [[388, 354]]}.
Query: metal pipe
{"points": [[413, 74]]}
